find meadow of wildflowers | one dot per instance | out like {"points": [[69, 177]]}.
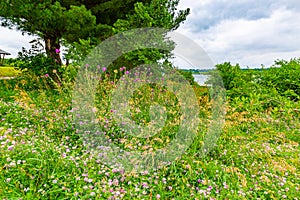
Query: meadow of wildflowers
{"points": [[42, 155]]}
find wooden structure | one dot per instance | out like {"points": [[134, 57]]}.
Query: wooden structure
{"points": [[2, 55]]}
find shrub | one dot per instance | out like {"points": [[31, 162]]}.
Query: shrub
{"points": [[188, 76], [38, 64], [34, 60], [261, 90], [284, 77], [228, 73]]}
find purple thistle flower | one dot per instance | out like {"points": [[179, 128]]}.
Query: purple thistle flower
{"points": [[57, 51]]}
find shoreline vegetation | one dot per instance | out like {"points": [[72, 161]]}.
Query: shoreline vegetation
{"points": [[43, 156], [8, 71], [207, 71]]}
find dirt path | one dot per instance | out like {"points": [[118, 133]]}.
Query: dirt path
{"points": [[3, 78]]}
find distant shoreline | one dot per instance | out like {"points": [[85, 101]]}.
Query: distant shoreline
{"points": [[206, 71]]}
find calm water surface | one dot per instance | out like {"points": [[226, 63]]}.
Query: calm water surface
{"points": [[200, 78]]}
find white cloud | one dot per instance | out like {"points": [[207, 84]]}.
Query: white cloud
{"points": [[12, 41], [249, 41]]}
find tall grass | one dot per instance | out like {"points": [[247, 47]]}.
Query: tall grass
{"points": [[43, 156]]}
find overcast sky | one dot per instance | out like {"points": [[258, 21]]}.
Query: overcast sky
{"points": [[248, 32]]}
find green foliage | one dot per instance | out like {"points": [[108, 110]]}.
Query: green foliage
{"points": [[284, 77], [38, 68], [78, 51], [228, 73], [74, 20], [34, 60], [43, 157], [261, 90], [49, 20], [75, 24], [9, 61], [188, 75], [157, 13], [66, 76]]}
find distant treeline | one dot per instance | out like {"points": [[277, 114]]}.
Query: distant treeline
{"points": [[200, 71]]}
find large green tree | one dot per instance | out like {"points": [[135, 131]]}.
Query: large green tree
{"points": [[50, 20], [156, 13], [72, 20]]}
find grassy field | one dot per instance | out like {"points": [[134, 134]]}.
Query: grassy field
{"points": [[8, 71], [43, 157]]}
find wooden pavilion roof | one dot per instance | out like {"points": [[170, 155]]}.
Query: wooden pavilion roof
{"points": [[4, 52]]}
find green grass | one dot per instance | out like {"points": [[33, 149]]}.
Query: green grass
{"points": [[43, 157], [9, 72]]}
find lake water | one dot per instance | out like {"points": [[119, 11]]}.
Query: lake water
{"points": [[200, 78]]}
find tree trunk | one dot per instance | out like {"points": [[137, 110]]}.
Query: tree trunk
{"points": [[51, 45]]}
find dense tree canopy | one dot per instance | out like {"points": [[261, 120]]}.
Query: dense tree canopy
{"points": [[157, 13], [51, 21], [72, 20]]}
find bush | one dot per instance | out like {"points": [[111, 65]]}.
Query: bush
{"points": [[188, 75], [284, 77], [38, 64], [35, 61], [261, 90], [228, 73]]}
